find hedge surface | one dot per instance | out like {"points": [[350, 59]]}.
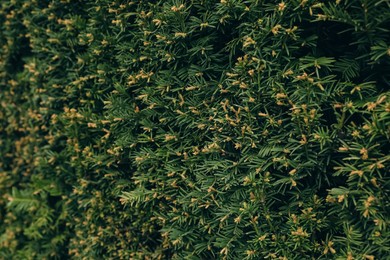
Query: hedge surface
{"points": [[194, 129]]}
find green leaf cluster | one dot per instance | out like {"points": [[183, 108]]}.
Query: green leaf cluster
{"points": [[197, 129]]}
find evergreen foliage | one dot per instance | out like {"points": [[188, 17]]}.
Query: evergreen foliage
{"points": [[194, 129]]}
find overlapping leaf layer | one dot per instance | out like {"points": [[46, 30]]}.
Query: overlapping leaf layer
{"points": [[194, 129]]}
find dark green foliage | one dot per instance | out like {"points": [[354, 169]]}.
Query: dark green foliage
{"points": [[194, 129]]}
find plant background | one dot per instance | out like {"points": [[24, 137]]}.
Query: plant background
{"points": [[194, 129]]}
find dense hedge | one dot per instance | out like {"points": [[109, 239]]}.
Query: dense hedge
{"points": [[194, 129]]}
